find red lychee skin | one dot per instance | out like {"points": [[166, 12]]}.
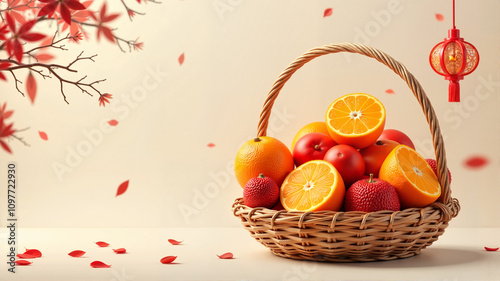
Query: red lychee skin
{"points": [[371, 195], [433, 164], [261, 191]]}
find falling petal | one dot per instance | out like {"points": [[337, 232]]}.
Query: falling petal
{"points": [[439, 17], [389, 91], [476, 162], [122, 188], [120, 250], [181, 59], [168, 259], [43, 135], [25, 256], [174, 242], [491, 249], [211, 144], [328, 12], [227, 255], [99, 264], [23, 262], [102, 244], [33, 252], [76, 253], [113, 122]]}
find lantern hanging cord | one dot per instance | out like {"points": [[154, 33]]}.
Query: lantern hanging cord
{"points": [[453, 14]]}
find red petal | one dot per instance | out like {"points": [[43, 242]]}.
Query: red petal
{"points": [[211, 144], [43, 135], [31, 87], [32, 37], [227, 255], [168, 259], [10, 22], [108, 33], [3, 76], [122, 188], [181, 59], [491, 249], [5, 146], [475, 162], [65, 13], [33, 252], [75, 5], [26, 27], [102, 244], [23, 262], [120, 250], [328, 12], [389, 91], [76, 253], [99, 264], [48, 9], [439, 17], [174, 242], [18, 50], [25, 256], [113, 122]]}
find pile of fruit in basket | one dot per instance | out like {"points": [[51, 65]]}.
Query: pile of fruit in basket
{"points": [[349, 162]]}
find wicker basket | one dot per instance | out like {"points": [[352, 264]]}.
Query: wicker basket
{"points": [[352, 236]]}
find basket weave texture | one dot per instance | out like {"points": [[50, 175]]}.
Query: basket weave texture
{"points": [[352, 236]]}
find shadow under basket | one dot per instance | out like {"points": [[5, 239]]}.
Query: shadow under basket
{"points": [[352, 236]]}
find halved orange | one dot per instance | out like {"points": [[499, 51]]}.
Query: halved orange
{"points": [[314, 186], [412, 176], [356, 119]]}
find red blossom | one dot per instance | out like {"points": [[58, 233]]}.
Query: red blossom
{"points": [[101, 20], [104, 98], [138, 45], [65, 7], [13, 45], [6, 130]]}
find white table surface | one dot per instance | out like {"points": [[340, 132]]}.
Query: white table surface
{"points": [[458, 255]]}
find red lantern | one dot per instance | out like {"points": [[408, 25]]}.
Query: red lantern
{"points": [[454, 58]]}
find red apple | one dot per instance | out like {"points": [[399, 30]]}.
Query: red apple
{"points": [[348, 162], [397, 136], [375, 154], [312, 146]]}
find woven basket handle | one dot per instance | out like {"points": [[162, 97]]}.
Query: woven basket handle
{"points": [[399, 69]]}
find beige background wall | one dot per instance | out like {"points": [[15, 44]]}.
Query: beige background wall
{"points": [[179, 126]]}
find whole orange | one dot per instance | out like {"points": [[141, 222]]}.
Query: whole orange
{"points": [[265, 155], [314, 127], [375, 154]]}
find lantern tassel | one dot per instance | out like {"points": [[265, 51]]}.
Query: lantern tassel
{"points": [[454, 91]]}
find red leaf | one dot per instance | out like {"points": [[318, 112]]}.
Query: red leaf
{"points": [[48, 9], [102, 244], [211, 144], [181, 59], [17, 49], [43, 135], [26, 27], [44, 57], [33, 252], [122, 188], [32, 37], [65, 13], [31, 87], [75, 5], [76, 253], [99, 264], [113, 122], [328, 12], [168, 259], [120, 250], [227, 255], [174, 242], [439, 17], [389, 91], [476, 162], [25, 256], [491, 249], [5, 146], [23, 262], [10, 22], [108, 33]]}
